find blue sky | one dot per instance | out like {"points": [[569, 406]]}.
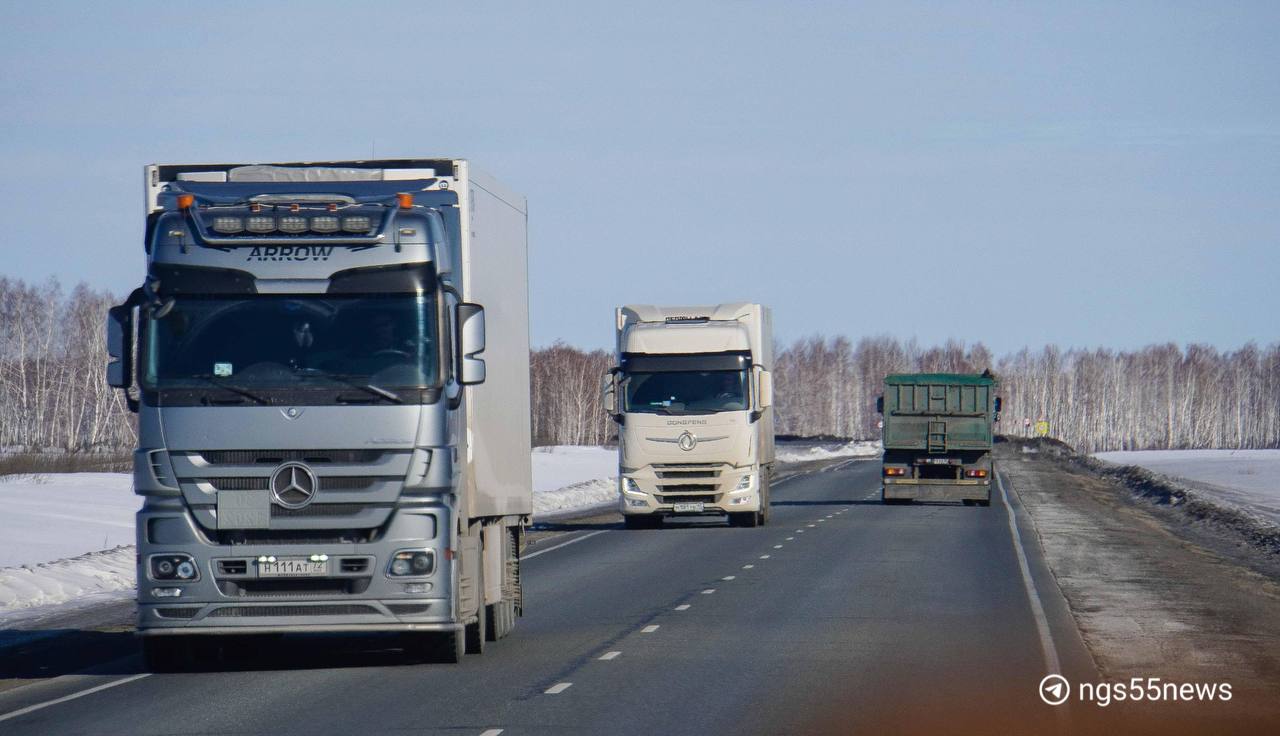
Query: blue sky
{"points": [[1017, 173]]}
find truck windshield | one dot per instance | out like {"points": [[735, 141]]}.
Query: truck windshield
{"points": [[249, 345], [686, 392]]}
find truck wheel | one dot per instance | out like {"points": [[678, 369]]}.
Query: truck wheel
{"points": [[446, 647], [502, 619], [478, 632], [765, 512], [167, 654]]}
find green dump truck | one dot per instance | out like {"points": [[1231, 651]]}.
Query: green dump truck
{"points": [[938, 429]]}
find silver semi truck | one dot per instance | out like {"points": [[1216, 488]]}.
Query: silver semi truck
{"points": [[330, 366], [692, 393]]}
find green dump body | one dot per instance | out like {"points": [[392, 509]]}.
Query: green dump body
{"points": [[938, 430]]}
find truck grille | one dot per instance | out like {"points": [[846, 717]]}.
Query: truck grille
{"points": [[688, 488], [326, 482], [293, 587], [318, 509], [292, 536], [704, 498], [275, 457], [253, 611]]}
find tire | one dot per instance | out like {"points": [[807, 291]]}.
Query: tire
{"points": [[478, 632], [167, 654], [448, 647], [765, 491], [502, 619]]}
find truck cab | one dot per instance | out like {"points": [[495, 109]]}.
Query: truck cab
{"points": [[322, 444], [692, 395]]}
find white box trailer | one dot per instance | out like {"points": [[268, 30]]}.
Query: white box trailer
{"points": [[692, 392]]}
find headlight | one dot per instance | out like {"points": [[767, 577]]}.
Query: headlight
{"points": [[744, 482], [628, 485], [412, 562], [174, 567]]}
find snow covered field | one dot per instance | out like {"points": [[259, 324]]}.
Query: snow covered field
{"points": [[1248, 479]]}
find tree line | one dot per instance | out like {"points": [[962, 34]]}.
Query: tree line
{"points": [[1157, 397], [53, 392]]}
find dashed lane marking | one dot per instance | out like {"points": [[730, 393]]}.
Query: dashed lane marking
{"points": [[790, 538], [727, 577], [609, 655], [747, 567], [491, 732], [72, 696], [777, 546], [558, 688], [708, 591], [764, 557], [649, 629], [682, 607]]}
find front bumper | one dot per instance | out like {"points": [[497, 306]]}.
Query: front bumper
{"points": [[653, 495], [232, 596], [924, 489]]}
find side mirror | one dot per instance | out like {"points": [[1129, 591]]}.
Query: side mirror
{"points": [[120, 346], [879, 404], [764, 389], [469, 319], [609, 394]]}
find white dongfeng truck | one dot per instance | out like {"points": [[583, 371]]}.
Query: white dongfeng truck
{"points": [[692, 394]]}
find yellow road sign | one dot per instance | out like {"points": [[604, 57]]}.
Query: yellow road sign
{"points": [[1042, 428]]}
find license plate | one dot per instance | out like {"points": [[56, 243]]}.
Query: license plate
{"points": [[292, 567], [687, 507]]}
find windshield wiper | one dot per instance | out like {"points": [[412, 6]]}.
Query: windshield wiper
{"points": [[224, 385], [374, 389]]}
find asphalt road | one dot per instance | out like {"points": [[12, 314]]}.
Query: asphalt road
{"points": [[842, 615]]}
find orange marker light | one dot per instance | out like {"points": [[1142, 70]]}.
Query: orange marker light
{"points": [[185, 201], [406, 200]]}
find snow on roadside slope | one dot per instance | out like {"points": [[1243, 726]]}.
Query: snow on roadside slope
{"points": [[1247, 479], [567, 478], [857, 448], [60, 532], [53, 516]]}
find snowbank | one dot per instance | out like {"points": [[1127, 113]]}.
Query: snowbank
{"points": [[571, 478], [86, 578], [858, 448], [1246, 479]]}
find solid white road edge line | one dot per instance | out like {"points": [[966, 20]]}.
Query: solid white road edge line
{"points": [[562, 544], [1037, 608], [72, 696]]}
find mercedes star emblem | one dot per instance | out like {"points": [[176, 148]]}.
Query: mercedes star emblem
{"points": [[293, 485]]}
